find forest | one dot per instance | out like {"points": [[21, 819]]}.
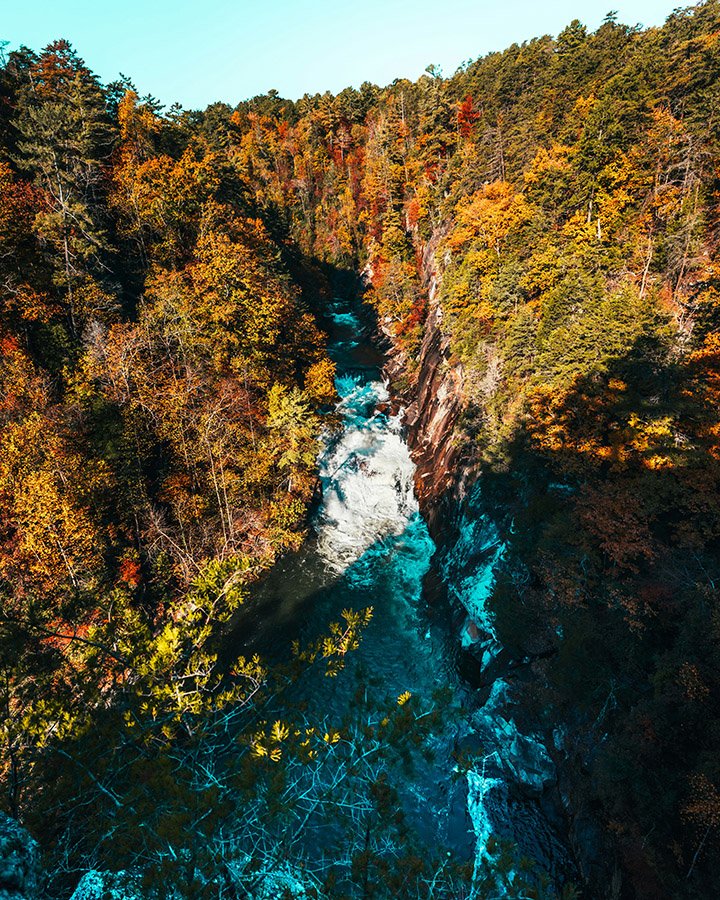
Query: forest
{"points": [[165, 378]]}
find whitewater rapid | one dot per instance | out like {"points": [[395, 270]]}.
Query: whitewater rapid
{"points": [[366, 473], [372, 548]]}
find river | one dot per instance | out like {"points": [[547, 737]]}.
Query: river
{"points": [[371, 547]]}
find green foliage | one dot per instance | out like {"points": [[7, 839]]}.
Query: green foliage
{"points": [[161, 379]]}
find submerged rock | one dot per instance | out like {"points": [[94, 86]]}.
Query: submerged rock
{"points": [[18, 861]]}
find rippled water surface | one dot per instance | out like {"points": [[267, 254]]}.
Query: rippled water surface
{"points": [[371, 547]]}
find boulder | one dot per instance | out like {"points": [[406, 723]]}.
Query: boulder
{"points": [[18, 861], [96, 885]]}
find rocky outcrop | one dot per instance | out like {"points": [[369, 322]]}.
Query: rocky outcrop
{"points": [[18, 861], [527, 791], [434, 399]]}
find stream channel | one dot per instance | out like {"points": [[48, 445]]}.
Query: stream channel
{"points": [[370, 546]]}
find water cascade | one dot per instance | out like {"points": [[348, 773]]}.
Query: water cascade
{"points": [[372, 548]]}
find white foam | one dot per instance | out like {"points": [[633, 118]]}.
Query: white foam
{"points": [[367, 476]]}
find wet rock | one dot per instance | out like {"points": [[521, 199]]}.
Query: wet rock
{"points": [[528, 761], [18, 861], [520, 759], [96, 885]]}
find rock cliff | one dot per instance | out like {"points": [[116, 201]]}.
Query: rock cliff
{"points": [[432, 393]]}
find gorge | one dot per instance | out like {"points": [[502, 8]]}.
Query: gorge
{"points": [[485, 779], [360, 480]]}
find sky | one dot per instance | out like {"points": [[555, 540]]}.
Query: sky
{"points": [[195, 52]]}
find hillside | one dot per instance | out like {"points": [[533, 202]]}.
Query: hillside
{"points": [[537, 238]]}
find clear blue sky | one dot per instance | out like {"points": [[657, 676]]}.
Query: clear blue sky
{"points": [[198, 51]]}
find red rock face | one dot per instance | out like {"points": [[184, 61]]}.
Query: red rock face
{"points": [[433, 412], [433, 399]]}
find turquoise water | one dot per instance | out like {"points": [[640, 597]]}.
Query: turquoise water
{"points": [[370, 546]]}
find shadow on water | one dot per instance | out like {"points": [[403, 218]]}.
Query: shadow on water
{"points": [[371, 548], [408, 644]]}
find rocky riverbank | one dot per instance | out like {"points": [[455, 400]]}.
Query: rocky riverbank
{"points": [[532, 789]]}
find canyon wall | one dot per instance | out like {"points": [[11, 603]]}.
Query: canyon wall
{"points": [[432, 391], [432, 394]]}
